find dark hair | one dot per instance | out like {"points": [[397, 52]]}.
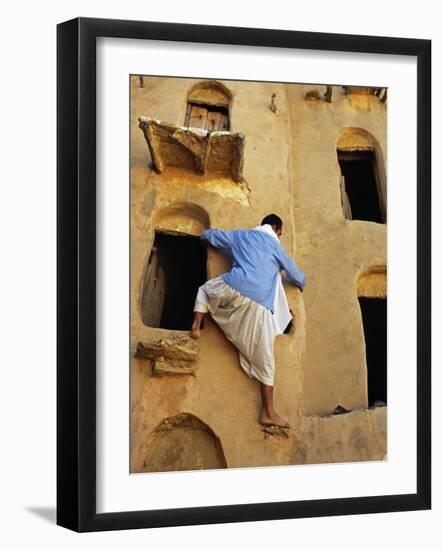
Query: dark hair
{"points": [[272, 219]]}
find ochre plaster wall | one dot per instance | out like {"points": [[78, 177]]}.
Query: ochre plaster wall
{"points": [[332, 250], [290, 168]]}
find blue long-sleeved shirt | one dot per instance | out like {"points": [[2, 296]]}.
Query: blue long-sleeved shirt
{"points": [[257, 260]]}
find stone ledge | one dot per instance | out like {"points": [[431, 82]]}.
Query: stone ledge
{"points": [[172, 355], [276, 430]]}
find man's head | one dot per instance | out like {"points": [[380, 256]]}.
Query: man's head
{"points": [[275, 221]]}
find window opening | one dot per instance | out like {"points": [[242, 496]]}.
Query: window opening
{"points": [[209, 117], [176, 268], [359, 188], [374, 318]]}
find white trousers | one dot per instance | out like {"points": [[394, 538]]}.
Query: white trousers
{"points": [[248, 325]]}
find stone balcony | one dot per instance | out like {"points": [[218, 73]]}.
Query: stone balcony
{"points": [[216, 154]]}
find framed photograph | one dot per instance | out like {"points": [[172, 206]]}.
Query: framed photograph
{"points": [[230, 202]]}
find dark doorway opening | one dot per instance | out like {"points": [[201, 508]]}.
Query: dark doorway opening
{"points": [[374, 318], [358, 169], [177, 267]]}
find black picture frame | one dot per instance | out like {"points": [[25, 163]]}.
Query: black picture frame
{"points": [[76, 273]]}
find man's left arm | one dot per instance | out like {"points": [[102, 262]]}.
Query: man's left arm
{"points": [[293, 273]]}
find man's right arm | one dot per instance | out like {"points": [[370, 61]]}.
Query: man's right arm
{"points": [[218, 238], [293, 273]]}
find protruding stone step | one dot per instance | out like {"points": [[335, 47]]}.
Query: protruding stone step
{"points": [[276, 430], [171, 355]]}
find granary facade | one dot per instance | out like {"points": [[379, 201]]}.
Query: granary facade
{"points": [[224, 154]]}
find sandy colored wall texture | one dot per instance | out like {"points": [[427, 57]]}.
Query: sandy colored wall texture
{"points": [[208, 418]]}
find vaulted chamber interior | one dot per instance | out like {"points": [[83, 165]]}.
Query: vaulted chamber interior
{"points": [[374, 318], [176, 268], [359, 186]]}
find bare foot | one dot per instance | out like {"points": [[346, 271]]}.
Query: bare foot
{"points": [[195, 332], [273, 420]]}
